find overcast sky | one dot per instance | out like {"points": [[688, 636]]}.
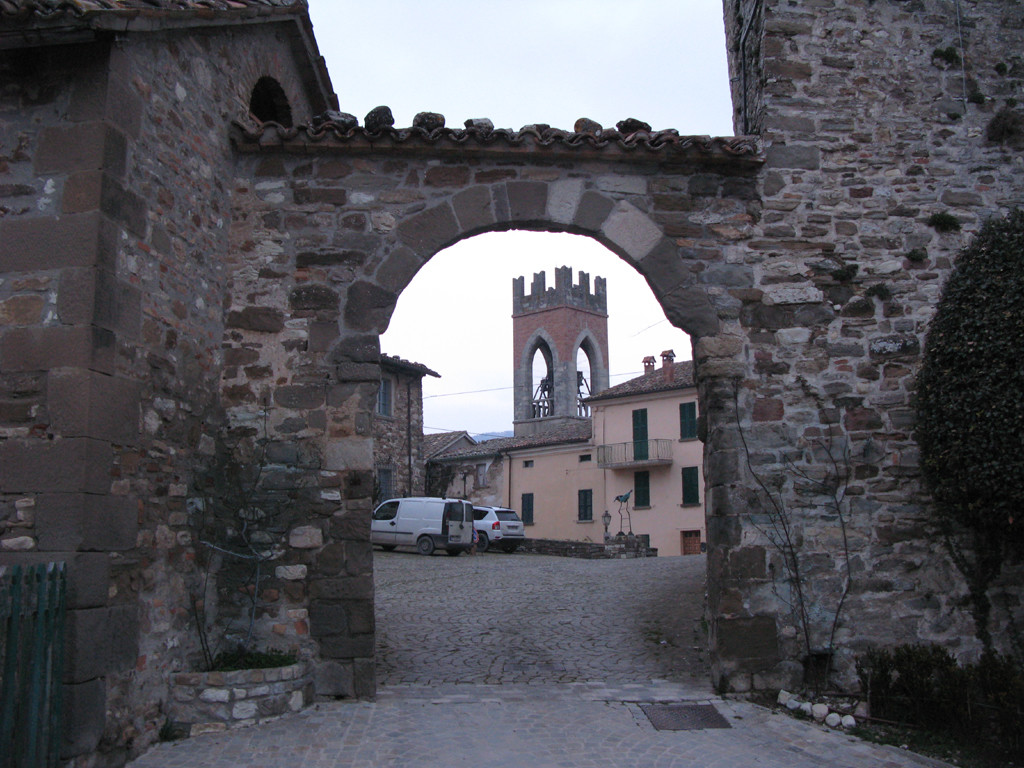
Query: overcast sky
{"points": [[518, 63]]}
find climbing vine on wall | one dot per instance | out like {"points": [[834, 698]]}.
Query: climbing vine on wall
{"points": [[971, 410]]}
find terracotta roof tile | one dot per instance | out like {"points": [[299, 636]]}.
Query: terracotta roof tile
{"points": [[573, 432], [438, 442], [407, 365], [531, 138], [50, 8], [682, 378]]}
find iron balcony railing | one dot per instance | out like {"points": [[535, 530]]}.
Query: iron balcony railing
{"points": [[636, 453]]}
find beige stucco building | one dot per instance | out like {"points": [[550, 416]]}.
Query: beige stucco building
{"points": [[641, 439]]}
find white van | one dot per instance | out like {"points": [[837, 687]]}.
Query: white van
{"points": [[426, 523]]}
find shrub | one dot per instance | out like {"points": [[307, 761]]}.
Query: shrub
{"points": [[922, 686], [944, 222], [240, 658], [879, 290], [917, 255], [970, 413], [845, 273], [1006, 126], [949, 55]]}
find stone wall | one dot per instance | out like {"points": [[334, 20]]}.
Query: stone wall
{"points": [[867, 134], [115, 159], [209, 702], [618, 548]]}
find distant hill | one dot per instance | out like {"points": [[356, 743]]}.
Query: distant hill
{"points": [[481, 436]]}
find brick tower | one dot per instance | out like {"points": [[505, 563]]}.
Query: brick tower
{"points": [[556, 323]]}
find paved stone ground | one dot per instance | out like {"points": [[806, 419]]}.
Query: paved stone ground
{"points": [[529, 660], [498, 618]]}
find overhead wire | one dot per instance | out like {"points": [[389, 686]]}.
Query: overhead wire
{"points": [[503, 389]]}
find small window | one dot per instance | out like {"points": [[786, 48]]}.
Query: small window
{"points": [[642, 489], [269, 104], [384, 398], [386, 511], [585, 506], [687, 421], [584, 457], [385, 483], [691, 486], [528, 463], [481, 475], [527, 508]]}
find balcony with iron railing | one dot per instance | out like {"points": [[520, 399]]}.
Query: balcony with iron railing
{"points": [[636, 453]]}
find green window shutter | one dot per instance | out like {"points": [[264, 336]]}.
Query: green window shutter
{"points": [[585, 505], [640, 434], [691, 486], [642, 489], [527, 509], [687, 421]]}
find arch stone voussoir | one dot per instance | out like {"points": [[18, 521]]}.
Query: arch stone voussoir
{"points": [[427, 232], [527, 200], [368, 307], [631, 230], [398, 268], [592, 211], [564, 198], [474, 209], [686, 305]]}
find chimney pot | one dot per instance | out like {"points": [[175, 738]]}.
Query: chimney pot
{"points": [[666, 364], [649, 364]]}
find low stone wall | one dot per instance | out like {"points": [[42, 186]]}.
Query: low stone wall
{"points": [[202, 702], [614, 550]]}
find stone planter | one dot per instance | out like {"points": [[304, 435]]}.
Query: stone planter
{"points": [[202, 702]]}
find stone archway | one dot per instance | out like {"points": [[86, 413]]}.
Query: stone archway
{"points": [[330, 227]]}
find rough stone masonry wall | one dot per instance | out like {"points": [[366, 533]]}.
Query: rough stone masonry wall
{"points": [[180, 170], [399, 436], [64, 403], [116, 170], [867, 134]]}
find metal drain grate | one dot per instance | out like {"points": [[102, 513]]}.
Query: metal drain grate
{"points": [[684, 717]]}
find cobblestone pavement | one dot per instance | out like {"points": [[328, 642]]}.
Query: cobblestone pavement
{"points": [[496, 618], [528, 660]]}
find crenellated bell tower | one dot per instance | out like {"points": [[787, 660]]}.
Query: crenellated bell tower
{"points": [[556, 323]]}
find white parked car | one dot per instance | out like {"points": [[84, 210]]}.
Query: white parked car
{"points": [[424, 523], [497, 527]]}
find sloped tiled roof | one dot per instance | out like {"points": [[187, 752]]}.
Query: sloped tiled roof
{"points": [[609, 142], [26, 23], [572, 432], [80, 8], [439, 442], [408, 366], [655, 381]]}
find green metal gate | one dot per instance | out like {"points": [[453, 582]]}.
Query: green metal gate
{"points": [[31, 662]]}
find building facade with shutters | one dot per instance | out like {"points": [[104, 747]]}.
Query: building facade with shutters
{"points": [[645, 444], [641, 440]]}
